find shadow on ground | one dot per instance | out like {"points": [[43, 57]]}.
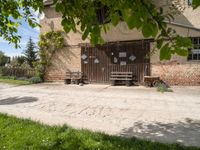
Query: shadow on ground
{"points": [[186, 132], [17, 100]]}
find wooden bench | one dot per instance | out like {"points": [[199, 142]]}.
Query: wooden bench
{"points": [[121, 77], [73, 77]]}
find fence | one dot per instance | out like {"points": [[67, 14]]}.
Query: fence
{"points": [[17, 72]]}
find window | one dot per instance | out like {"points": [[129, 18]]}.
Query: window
{"points": [[102, 15], [194, 54], [189, 2]]}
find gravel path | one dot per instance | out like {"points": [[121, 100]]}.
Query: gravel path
{"points": [[125, 111]]}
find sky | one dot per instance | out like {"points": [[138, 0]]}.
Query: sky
{"points": [[25, 31]]}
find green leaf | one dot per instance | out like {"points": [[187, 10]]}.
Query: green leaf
{"points": [[96, 30], [59, 7], [66, 25], [154, 29], [196, 3], [181, 52], [183, 42], [126, 14], [131, 22], [147, 30], [9, 25], [94, 39], [67, 28], [115, 19], [86, 33], [159, 43], [165, 53], [134, 21], [83, 26]]}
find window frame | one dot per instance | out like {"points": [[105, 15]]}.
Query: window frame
{"points": [[192, 55], [189, 2]]}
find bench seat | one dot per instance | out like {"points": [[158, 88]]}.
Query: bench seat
{"points": [[73, 77], [121, 77], [127, 79]]}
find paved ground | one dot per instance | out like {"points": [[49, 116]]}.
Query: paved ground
{"points": [[126, 111]]}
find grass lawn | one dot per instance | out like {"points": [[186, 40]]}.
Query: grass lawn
{"points": [[18, 134], [13, 81]]}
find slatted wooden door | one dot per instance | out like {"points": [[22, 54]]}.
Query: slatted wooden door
{"points": [[97, 62]]}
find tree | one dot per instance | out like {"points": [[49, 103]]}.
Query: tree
{"points": [[49, 43], [3, 59], [140, 14], [14, 62], [17, 61], [20, 60], [30, 53], [12, 13]]}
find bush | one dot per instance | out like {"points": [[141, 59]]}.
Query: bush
{"points": [[22, 78], [8, 77], [17, 71], [162, 87], [35, 80]]}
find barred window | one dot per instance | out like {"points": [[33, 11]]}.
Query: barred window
{"points": [[102, 15], [189, 2], [194, 54]]}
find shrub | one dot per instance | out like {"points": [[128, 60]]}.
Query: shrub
{"points": [[8, 77], [17, 71], [22, 78], [162, 87], [35, 80]]}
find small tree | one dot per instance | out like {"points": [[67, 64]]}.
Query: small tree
{"points": [[21, 60], [4, 59], [49, 43], [30, 53], [17, 61]]}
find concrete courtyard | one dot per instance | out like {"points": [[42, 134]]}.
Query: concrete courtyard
{"points": [[125, 111]]}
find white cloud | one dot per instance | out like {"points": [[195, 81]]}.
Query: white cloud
{"points": [[3, 41]]}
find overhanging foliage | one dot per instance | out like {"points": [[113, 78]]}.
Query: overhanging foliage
{"points": [[140, 14]]}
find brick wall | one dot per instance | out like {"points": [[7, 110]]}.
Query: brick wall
{"points": [[178, 74], [66, 59]]}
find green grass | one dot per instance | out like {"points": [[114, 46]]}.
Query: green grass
{"points": [[13, 81], [18, 134]]}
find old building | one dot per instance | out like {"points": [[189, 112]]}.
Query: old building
{"points": [[125, 50]]}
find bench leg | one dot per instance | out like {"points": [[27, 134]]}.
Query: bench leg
{"points": [[128, 83], [148, 84], [113, 83], [156, 83], [77, 81], [67, 81], [72, 81]]}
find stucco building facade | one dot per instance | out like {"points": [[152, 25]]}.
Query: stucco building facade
{"points": [[177, 71]]}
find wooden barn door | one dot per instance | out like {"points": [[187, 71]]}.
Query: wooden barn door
{"points": [[95, 64], [98, 62]]}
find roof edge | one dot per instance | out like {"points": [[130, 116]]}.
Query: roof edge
{"points": [[183, 25]]}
